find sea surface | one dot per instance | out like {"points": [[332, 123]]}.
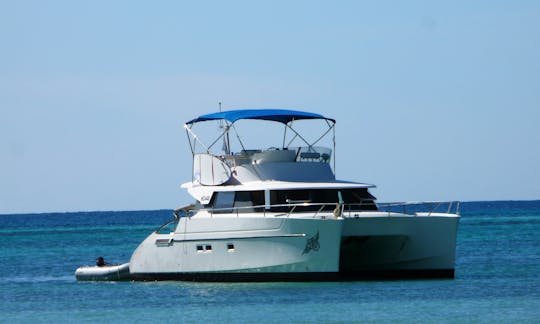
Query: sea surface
{"points": [[497, 277]]}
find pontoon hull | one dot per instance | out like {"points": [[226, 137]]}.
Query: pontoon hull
{"points": [[300, 249], [243, 245], [401, 246]]}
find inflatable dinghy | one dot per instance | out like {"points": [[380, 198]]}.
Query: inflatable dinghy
{"points": [[104, 273]]}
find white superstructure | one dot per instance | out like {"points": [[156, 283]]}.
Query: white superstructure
{"points": [[280, 214]]}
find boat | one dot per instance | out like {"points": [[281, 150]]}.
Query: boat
{"points": [[278, 213], [116, 272]]}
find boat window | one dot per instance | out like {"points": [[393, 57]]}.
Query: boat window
{"points": [[245, 199], [358, 199], [354, 199], [315, 199], [241, 201], [204, 248], [329, 197], [223, 202], [168, 227]]}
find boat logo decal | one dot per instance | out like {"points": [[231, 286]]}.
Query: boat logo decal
{"points": [[312, 244]]}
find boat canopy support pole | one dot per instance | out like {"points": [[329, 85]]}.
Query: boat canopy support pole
{"points": [[192, 152], [244, 148], [238, 137], [285, 135], [297, 134], [290, 142], [334, 144], [310, 145], [225, 132], [196, 139], [189, 140], [330, 127]]}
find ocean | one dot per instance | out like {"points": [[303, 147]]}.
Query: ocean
{"points": [[497, 277]]}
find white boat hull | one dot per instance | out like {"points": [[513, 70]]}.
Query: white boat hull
{"points": [[243, 248], [417, 246], [273, 248]]}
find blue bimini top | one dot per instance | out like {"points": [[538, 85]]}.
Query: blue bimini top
{"points": [[279, 115]]}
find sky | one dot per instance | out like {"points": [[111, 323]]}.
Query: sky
{"points": [[433, 100]]}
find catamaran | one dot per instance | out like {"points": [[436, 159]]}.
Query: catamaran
{"points": [[279, 213]]}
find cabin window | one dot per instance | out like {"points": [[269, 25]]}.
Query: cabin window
{"points": [[238, 202], [314, 198], [243, 200], [358, 199], [354, 199], [223, 202], [230, 247]]}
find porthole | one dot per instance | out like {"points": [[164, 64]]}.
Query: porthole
{"points": [[204, 248]]}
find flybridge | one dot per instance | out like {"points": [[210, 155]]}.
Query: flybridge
{"points": [[212, 166]]}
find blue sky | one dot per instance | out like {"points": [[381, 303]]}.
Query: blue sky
{"points": [[433, 100]]}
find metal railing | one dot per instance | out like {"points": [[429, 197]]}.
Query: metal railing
{"points": [[185, 211], [423, 207], [342, 209], [335, 210], [303, 154], [270, 209]]}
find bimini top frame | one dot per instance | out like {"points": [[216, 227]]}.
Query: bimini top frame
{"points": [[284, 116], [279, 115]]}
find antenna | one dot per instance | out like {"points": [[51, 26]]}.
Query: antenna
{"points": [[226, 144]]}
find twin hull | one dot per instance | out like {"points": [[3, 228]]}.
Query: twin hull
{"points": [[287, 248]]}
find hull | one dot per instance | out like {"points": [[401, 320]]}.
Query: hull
{"points": [[374, 245], [399, 246], [243, 247]]}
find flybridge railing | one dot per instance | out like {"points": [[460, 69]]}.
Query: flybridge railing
{"points": [[313, 154], [274, 154], [291, 135]]}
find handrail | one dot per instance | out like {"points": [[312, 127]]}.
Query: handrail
{"points": [[453, 206], [264, 207], [342, 208], [246, 156], [174, 220], [187, 209], [339, 211]]}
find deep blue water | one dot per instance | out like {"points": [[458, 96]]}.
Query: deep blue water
{"points": [[497, 277]]}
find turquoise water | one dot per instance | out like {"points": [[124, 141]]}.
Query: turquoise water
{"points": [[497, 277]]}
